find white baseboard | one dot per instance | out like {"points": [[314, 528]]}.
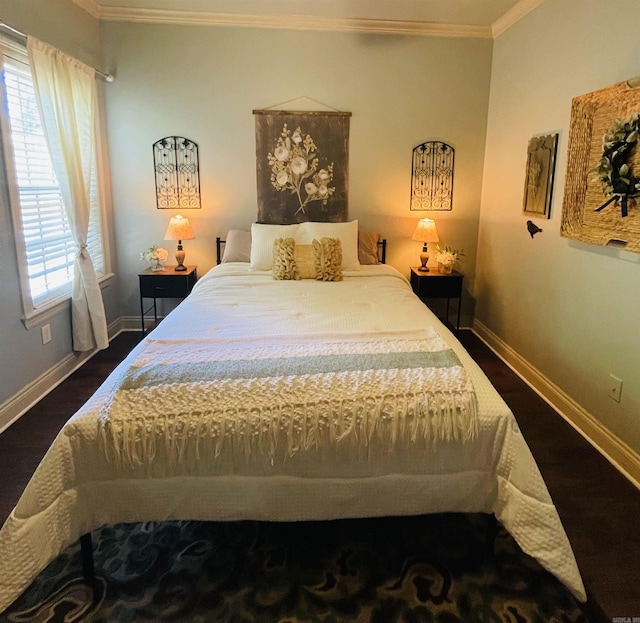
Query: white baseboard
{"points": [[131, 323], [16, 406], [616, 451]]}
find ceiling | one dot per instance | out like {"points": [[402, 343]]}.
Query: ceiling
{"points": [[482, 18]]}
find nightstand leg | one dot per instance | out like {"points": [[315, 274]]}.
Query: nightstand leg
{"points": [[86, 550], [142, 313]]}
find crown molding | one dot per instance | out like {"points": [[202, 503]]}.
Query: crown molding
{"points": [[90, 6], [524, 7], [296, 22], [293, 22], [309, 22]]}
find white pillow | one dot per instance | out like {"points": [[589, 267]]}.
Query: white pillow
{"points": [[347, 233], [262, 239]]}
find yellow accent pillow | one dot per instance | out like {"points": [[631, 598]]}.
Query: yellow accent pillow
{"points": [[321, 260], [328, 256], [305, 258], [284, 265]]}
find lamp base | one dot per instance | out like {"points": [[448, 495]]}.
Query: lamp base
{"points": [[180, 259], [424, 259]]}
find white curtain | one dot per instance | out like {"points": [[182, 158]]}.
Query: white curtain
{"points": [[67, 98]]}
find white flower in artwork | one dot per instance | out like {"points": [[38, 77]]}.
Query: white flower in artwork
{"points": [[298, 165], [294, 167], [281, 153], [282, 178]]}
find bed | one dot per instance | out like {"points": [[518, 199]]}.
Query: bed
{"points": [[198, 422]]}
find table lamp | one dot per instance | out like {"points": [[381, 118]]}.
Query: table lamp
{"points": [[425, 232], [179, 229]]}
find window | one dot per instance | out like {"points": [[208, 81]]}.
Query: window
{"points": [[45, 246]]}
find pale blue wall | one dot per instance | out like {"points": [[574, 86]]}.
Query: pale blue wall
{"points": [[570, 309], [204, 83], [24, 357]]}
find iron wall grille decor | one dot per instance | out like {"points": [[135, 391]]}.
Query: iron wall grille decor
{"points": [[432, 176], [175, 162]]}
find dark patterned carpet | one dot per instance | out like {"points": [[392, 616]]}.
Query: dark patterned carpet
{"points": [[428, 569]]}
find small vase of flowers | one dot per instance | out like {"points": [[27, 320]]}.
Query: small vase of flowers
{"points": [[156, 256], [447, 258]]}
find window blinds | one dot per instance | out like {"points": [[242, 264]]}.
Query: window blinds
{"points": [[50, 249]]}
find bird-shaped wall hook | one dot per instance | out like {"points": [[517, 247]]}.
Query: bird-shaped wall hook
{"points": [[533, 228]]}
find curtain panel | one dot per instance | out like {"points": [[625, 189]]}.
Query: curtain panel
{"points": [[67, 98]]}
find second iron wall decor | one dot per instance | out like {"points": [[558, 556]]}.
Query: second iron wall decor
{"points": [[176, 167], [432, 176]]}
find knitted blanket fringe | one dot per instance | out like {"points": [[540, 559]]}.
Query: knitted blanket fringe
{"points": [[182, 403]]}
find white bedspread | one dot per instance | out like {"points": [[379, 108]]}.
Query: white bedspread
{"points": [[76, 489]]}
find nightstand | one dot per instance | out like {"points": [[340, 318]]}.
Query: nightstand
{"points": [[164, 284], [435, 285]]}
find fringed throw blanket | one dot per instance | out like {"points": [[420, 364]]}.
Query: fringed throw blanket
{"points": [[188, 401]]}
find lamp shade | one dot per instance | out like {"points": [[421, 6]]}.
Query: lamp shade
{"points": [[179, 229], [426, 231]]}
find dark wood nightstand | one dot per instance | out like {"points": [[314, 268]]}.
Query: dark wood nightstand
{"points": [[435, 285], [164, 284]]}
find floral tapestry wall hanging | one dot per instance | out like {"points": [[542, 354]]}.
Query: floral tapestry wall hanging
{"points": [[302, 166], [602, 188]]}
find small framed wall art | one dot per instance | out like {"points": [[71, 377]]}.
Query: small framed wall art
{"points": [[538, 184]]}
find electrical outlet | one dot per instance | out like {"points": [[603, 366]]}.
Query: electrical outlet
{"points": [[615, 388], [46, 333]]}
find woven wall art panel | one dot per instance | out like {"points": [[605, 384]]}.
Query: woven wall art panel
{"points": [[589, 213]]}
